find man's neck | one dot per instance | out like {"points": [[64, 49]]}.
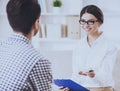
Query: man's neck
{"points": [[29, 36]]}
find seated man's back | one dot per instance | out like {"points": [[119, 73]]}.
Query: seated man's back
{"points": [[22, 68], [21, 65]]}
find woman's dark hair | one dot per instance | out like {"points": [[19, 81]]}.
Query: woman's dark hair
{"points": [[22, 14], [94, 10]]}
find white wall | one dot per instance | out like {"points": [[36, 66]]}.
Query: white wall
{"points": [[68, 6], [5, 28], [111, 28], [61, 63], [105, 5], [3, 6]]}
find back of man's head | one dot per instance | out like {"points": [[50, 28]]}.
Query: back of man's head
{"points": [[22, 14]]}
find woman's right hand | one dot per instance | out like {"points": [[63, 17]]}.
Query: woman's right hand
{"points": [[90, 73], [82, 73]]}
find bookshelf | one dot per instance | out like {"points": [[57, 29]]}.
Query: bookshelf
{"points": [[60, 29], [62, 19]]}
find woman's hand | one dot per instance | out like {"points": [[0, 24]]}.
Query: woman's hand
{"points": [[82, 73], [91, 73], [64, 89]]}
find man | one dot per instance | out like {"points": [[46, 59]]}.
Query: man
{"points": [[22, 68]]}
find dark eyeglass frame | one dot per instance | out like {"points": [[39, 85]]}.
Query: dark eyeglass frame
{"points": [[89, 22]]}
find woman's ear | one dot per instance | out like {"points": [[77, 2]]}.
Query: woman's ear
{"points": [[99, 24]]}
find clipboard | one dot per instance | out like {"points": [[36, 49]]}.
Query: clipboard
{"points": [[73, 86]]}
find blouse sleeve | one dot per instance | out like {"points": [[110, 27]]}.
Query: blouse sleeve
{"points": [[106, 68]]}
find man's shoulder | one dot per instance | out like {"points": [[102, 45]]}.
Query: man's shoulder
{"points": [[36, 55]]}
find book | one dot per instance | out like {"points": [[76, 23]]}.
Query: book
{"points": [[73, 86], [43, 31], [64, 31]]}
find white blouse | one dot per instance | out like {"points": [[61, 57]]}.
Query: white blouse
{"points": [[100, 57]]}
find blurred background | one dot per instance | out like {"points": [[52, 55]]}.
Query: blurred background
{"points": [[60, 30]]}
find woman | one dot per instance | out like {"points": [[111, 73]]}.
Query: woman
{"points": [[94, 56]]}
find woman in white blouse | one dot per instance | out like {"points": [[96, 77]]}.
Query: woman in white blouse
{"points": [[94, 56]]}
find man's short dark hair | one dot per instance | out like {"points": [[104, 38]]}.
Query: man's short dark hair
{"points": [[22, 14]]}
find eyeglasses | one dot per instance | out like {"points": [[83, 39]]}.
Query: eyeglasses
{"points": [[89, 22]]}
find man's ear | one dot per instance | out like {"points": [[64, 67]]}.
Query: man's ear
{"points": [[37, 25]]}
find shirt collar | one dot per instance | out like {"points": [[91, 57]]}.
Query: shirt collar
{"points": [[19, 37], [99, 39]]}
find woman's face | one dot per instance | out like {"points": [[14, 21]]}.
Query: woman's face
{"points": [[89, 23]]}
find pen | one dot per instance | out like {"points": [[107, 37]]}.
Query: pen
{"points": [[91, 70]]}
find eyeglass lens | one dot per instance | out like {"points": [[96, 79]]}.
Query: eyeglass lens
{"points": [[89, 22]]}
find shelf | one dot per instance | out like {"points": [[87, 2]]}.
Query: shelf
{"points": [[56, 47], [64, 44], [59, 14], [58, 40], [60, 23]]}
